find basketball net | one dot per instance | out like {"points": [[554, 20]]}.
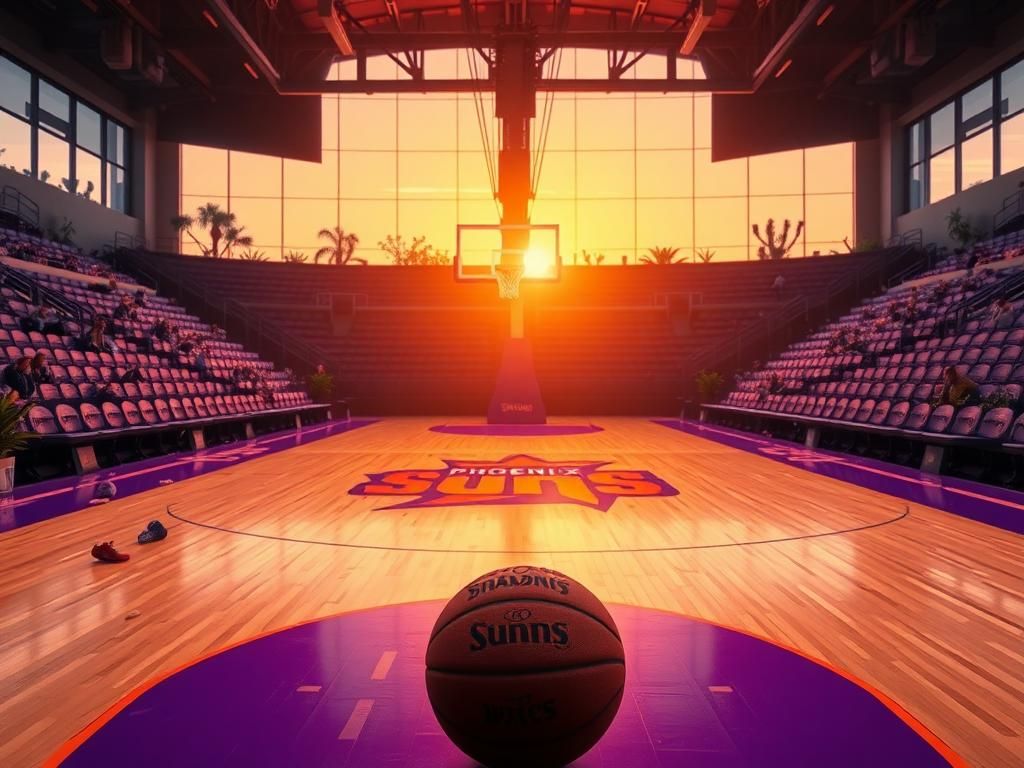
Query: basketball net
{"points": [[508, 277]]}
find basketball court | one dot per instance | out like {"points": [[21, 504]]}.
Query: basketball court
{"points": [[770, 607]]}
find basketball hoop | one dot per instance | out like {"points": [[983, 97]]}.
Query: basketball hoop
{"points": [[508, 277]]}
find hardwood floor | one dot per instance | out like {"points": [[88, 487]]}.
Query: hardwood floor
{"points": [[926, 606]]}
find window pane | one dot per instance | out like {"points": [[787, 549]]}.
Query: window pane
{"points": [[475, 182], [303, 219], [368, 174], [722, 179], [15, 144], [88, 170], [329, 122], [667, 223], [560, 212], [604, 174], [915, 190], [701, 121], [941, 124], [605, 226], [977, 160], [372, 221], [117, 147], [426, 123], [780, 173], [780, 208], [87, 129], [15, 88], [427, 175], [941, 176], [1013, 89], [604, 124], [369, 122], [720, 222], [54, 108], [665, 122], [1012, 143], [916, 149], [303, 179], [561, 127], [829, 169], [664, 173], [255, 175], [434, 219], [204, 171], [829, 220], [261, 219], [117, 189], [54, 159], [976, 109]]}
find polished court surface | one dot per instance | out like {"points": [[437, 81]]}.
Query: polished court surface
{"points": [[924, 606]]}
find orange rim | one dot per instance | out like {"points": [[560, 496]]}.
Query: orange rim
{"points": [[69, 746]]}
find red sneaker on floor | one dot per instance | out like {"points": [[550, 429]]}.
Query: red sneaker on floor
{"points": [[106, 553]]}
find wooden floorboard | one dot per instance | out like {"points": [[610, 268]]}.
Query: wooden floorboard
{"points": [[927, 607]]}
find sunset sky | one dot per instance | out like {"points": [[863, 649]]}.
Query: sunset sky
{"points": [[621, 173]]}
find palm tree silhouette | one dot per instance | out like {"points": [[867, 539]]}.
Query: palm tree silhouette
{"points": [[341, 249]]}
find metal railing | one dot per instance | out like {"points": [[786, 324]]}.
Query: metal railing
{"points": [[1013, 208], [21, 206], [262, 336], [40, 294]]}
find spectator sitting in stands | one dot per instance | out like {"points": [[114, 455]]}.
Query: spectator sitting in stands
{"points": [[41, 373], [161, 329], [44, 320], [18, 376], [775, 386], [108, 287], [132, 375], [202, 364], [186, 343], [972, 262], [96, 340], [957, 389], [71, 263], [216, 332], [906, 337], [1002, 313], [778, 286], [140, 298], [126, 309]]}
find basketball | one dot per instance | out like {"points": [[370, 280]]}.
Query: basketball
{"points": [[105, 490], [525, 667]]}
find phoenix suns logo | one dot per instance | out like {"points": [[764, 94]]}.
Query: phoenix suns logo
{"points": [[516, 479]]}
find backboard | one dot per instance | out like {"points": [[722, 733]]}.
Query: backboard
{"points": [[480, 248]]}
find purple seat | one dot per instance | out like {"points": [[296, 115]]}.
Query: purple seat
{"points": [[971, 356], [190, 409], [1000, 374], [92, 417], [864, 412], [940, 419], [918, 417], [995, 424], [68, 391], [163, 411], [200, 407], [68, 418], [1010, 354], [113, 415], [880, 413], [898, 414], [966, 422], [1017, 434], [177, 410], [979, 372], [42, 421], [990, 355], [877, 389], [850, 412], [131, 413], [148, 412]]}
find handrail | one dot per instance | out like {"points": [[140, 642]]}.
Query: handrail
{"points": [[40, 294], [960, 312], [1013, 206], [267, 340], [23, 207]]}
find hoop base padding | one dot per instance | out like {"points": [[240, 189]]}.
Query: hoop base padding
{"points": [[517, 398]]}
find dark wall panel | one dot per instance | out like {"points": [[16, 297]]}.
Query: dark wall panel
{"points": [[288, 126], [774, 122]]}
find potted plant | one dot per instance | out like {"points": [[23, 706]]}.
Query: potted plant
{"points": [[12, 439], [321, 387], [709, 384]]}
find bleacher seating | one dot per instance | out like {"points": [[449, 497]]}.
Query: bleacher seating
{"points": [[877, 371], [608, 339], [88, 401]]}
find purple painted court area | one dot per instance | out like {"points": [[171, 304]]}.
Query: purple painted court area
{"points": [[348, 692], [517, 430], [42, 501], [988, 504]]}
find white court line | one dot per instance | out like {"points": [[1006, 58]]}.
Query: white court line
{"points": [[384, 665], [356, 720]]}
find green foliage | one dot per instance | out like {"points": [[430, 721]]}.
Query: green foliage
{"points": [[1001, 398], [12, 437], [64, 233], [294, 257], [960, 230], [341, 248], [661, 254], [321, 387], [233, 238], [592, 259], [418, 252], [222, 227], [709, 384], [776, 246], [250, 255], [704, 255]]}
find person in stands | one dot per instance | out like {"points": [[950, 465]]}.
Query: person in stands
{"points": [[96, 339], [44, 320], [140, 298], [126, 309], [779, 286], [775, 386], [18, 376], [41, 373], [957, 389], [202, 364], [1002, 313], [972, 262]]}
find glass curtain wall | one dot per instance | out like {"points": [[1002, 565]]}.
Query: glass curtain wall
{"points": [[620, 173]]}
